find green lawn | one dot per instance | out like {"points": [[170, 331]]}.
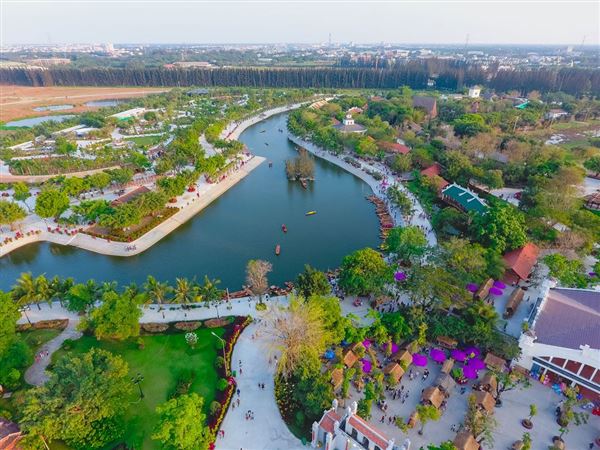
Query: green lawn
{"points": [[162, 361], [36, 338], [145, 140]]}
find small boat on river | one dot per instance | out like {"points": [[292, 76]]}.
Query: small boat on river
{"points": [[270, 164], [277, 249], [284, 228], [303, 183], [311, 213], [263, 131], [267, 144]]}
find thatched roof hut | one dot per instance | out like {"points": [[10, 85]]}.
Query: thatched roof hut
{"points": [[494, 362], [433, 396], [402, 355], [484, 290], [485, 401], [350, 358], [489, 382], [513, 303], [337, 377], [394, 371], [447, 342], [448, 365], [465, 441], [445, 382]]}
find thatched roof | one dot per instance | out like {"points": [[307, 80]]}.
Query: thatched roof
{"points": [[394, 370], [433, 395], [465, 441], [494, 362], [445, 382], [448, 365], [447, 341], [350, 358], [337, 377], [402, 355], [484, 289], [485, 401], [489, 381], [513, 303]]}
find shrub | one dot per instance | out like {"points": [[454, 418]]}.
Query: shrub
{"points": [[188, 326], [155, 327], [217, 323], [219, 362], [215, 408], [222, 384], [261, 306]]}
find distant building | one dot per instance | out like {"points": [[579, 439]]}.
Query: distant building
{"points": [[474, 92], [133, 112], [190, 64], [555, 114], [562, 344], [520, 262], [355, 110], [463, 199], [592, 201], [435, 171], [348, 126], [47, 62], [429, 104], [348, 431], [198, 91], [393, 147]]}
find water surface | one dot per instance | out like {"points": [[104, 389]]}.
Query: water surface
{"points": [[32, 121], [53, 108]]}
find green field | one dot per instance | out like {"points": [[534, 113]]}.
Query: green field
{"points": [[144, 140], [162, 362], [36, 338]]}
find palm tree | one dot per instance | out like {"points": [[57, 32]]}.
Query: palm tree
{"points": [[209, 290], [185, 291], [25, 290], [44, 290], [157, 291]]}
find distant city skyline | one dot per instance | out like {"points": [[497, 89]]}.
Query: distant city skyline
{"points": [[180, 22]]}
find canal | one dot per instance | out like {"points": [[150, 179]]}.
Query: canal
{"points": [[244, 223]]}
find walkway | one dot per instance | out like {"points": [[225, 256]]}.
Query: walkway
{"points": [[36, 374]]}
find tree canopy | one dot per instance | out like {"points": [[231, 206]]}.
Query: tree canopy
{"points": [[364, 272]]}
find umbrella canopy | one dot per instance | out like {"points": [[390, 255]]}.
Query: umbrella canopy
{"points": [[419, 360], [395, 347], [367, 366], [472, 351], [437, 355], [472, 287], [469, 373], [329, 354], [399, 276], [476, 364], [499, 284], [495, 291], [366, 343], [458, 355]]}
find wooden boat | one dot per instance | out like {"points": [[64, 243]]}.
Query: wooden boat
{"points": [[267, 144], [277, 249], [311, 213], [284, 228], [304, 184], [270, 164], [263, 131]]}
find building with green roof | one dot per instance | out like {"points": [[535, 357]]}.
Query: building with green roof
{"points": [[463, 199]]}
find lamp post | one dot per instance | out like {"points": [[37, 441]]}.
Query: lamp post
{"points": [[224, 355], [137, 380], [24, 310]]}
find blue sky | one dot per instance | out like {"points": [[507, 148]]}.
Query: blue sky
{"points": [[526, 22]]}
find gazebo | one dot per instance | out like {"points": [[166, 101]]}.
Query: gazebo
{"points": [[489, 383], [337, 377], [448, 365], [402, 355], [485, 401], [394, 371], [465, 441], [494, 362], [445, 382], [447, 342], [433, 396], [350, 358], [484, 289]]}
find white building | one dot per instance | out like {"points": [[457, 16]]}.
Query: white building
{"points": [[349, 431], [134, 112], [474, 92], [562, 344]]}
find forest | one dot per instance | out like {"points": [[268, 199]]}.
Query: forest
{"points": [[447, 76]]}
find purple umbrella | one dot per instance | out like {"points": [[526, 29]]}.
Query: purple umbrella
{"points": [[458, 355], [419, 360], [499, 284], [469, 373], [394, 347], [399, 276], [437, 355], [592, 274], [472, 287], [366, 365], [472, 351], [366, 343], [495, 291], [476, 364]]}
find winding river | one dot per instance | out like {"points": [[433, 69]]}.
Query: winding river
{"points": [[244, 223]]}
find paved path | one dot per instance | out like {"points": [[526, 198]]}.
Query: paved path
{"points": [[36, 374]]}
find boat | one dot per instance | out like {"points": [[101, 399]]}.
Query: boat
{"points": [[303, 183], [267, 144], [311, 213], [277, 249], [263, 131], [270, 163], [284, 228]]}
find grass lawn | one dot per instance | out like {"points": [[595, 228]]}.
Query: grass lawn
{"points": [[162, 361], [144, 140], [36, 338]]}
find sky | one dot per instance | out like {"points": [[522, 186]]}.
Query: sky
{"points": [[178, 21]]}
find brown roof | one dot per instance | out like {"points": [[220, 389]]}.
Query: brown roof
{"points": [[465, 441], [350, 358], [394, 370], [592, 201], [129, 197], [514, 301], [447, 341], [433, 395], [445, 382], [485, 400], [328, 420], [434, 169], [484, 289], [337, 377], [402, 355], [448, 365], [394, 147], [429, 104], [569, 318], [494, 362], [489, 379], [369, 431], [522, 260]]}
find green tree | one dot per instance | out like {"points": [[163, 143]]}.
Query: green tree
{"points": [[570, 272], [209, 290], [502, 228], [182, 424], [185, 291], [51, 203], [396, 325], [157, 291], [63, 146], [593, 164], [82, 296], [469, 125], [82, 403], [312, 282], [408, 243], [427, 413], [364, 272], [10, 213], [366, 146], [21, 191], [256, 277], [9, 312], [117, 317]]}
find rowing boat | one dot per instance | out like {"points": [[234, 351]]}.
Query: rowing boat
{"points": [[311, 213], [277, 249]]}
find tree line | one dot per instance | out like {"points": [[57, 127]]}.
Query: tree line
{"points": [[447, 75]]}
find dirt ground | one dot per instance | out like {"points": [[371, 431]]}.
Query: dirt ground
{"points": [[17, 102]]}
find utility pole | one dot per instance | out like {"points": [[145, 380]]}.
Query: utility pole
{"points": [[137, 380]]}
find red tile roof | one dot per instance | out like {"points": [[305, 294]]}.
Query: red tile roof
{"points": [[522, 260], [367, 430], [328, 420], [394, 147], [434, 169]]}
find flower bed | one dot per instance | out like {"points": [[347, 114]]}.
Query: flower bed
{"points": [[224, 398]]}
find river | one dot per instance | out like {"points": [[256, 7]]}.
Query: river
{"points": [[244, 223]]}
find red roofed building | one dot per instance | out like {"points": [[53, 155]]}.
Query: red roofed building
{"points": [[435, 170], [393, 147], [520, 262], [348, 431]]}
